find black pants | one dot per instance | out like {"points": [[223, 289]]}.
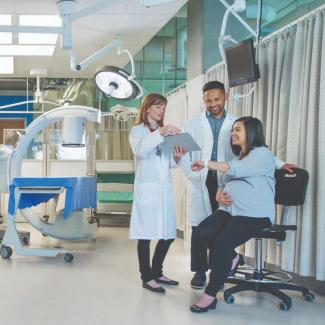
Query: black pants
{"points": [[222, 233], [199, 258], [149, 273], [212, 186]]}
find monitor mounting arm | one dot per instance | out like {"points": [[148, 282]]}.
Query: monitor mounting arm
{"points": [[237, 6]]}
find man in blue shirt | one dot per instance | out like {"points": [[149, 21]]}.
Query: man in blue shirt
{"points": [[212, 182]]}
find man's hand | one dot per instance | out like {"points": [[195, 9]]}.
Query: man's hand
{"points": [[197, 165], [288, 167], [223, 198], [178, 153]]}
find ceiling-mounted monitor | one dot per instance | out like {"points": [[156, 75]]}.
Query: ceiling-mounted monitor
{"points": [[241, 65]]}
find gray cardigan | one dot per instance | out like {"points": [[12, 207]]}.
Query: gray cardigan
{"points": [[250, 183]]}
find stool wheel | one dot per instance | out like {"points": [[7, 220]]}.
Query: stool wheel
{"points": [[309, 297], [284, 306], [229, 299], [5, 252], [68, 257]]}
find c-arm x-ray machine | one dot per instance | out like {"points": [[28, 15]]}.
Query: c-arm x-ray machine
{"points": [[70, 224]]}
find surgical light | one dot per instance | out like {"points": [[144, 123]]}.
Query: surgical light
{"points": [[116, 83]]}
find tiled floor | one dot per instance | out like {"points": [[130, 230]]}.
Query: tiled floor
{"points": [[102, 286]]}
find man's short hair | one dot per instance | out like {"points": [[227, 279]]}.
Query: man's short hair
{"points": [[213, 85]]}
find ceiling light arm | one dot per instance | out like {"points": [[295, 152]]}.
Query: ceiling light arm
{"points": [[95, 56], [241, 20], [16, 104], [120, 51], [259, 19], [38, 93], [24, 103], [222, 37], [133, 75]]}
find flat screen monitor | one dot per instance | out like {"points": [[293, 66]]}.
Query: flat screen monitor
{"points": [[241, 65]]}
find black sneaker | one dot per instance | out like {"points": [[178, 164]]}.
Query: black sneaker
{"points": [[199, 280]]}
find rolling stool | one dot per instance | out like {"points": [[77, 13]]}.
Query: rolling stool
{"points": [[290, 191]]}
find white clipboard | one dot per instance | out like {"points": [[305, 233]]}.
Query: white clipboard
{"points": [[184, 140]]}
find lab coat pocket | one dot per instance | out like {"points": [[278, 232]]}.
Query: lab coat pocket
{"points": [[147, 194]]}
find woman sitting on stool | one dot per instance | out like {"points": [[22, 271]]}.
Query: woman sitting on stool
{"points": [[246, 203]]}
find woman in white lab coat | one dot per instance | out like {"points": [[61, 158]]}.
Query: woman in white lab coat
{"points": [[153, 213]]}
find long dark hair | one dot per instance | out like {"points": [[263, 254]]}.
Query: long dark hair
{"points": [[254, 134], [151, 99]]}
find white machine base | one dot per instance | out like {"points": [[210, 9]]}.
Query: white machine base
{"points": [[76, 227], [11, 238]]}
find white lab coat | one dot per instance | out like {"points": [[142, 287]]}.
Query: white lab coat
{"points": [[153, 212], [198, 202]]}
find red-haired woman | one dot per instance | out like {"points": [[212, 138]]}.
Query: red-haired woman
{"points": [[153, 213]]}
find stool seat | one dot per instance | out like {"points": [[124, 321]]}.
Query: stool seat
{"points": [[277, 232]]}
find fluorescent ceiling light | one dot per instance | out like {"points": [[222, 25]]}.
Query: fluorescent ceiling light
{"points": [[28, 38], [40, 20], [5, 38], [5, 20], [15, 50], [6, 65]]}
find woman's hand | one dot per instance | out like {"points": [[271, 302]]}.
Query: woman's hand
{"points": [[178, 153], [197, 165], [169, 130], [289, 167], [223, 198]]}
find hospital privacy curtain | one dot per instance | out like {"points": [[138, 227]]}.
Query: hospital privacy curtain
{"points": [[290, 100], [113, 138]]}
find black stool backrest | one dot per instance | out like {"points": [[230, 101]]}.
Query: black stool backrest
{"points": [[290, 189]]}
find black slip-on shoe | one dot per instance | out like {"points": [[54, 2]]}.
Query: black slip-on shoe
{"points": [[169, 282], [149, 287], [197, 309]]}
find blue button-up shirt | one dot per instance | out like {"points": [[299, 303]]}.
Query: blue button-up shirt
{"points": [[215, 124]]}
